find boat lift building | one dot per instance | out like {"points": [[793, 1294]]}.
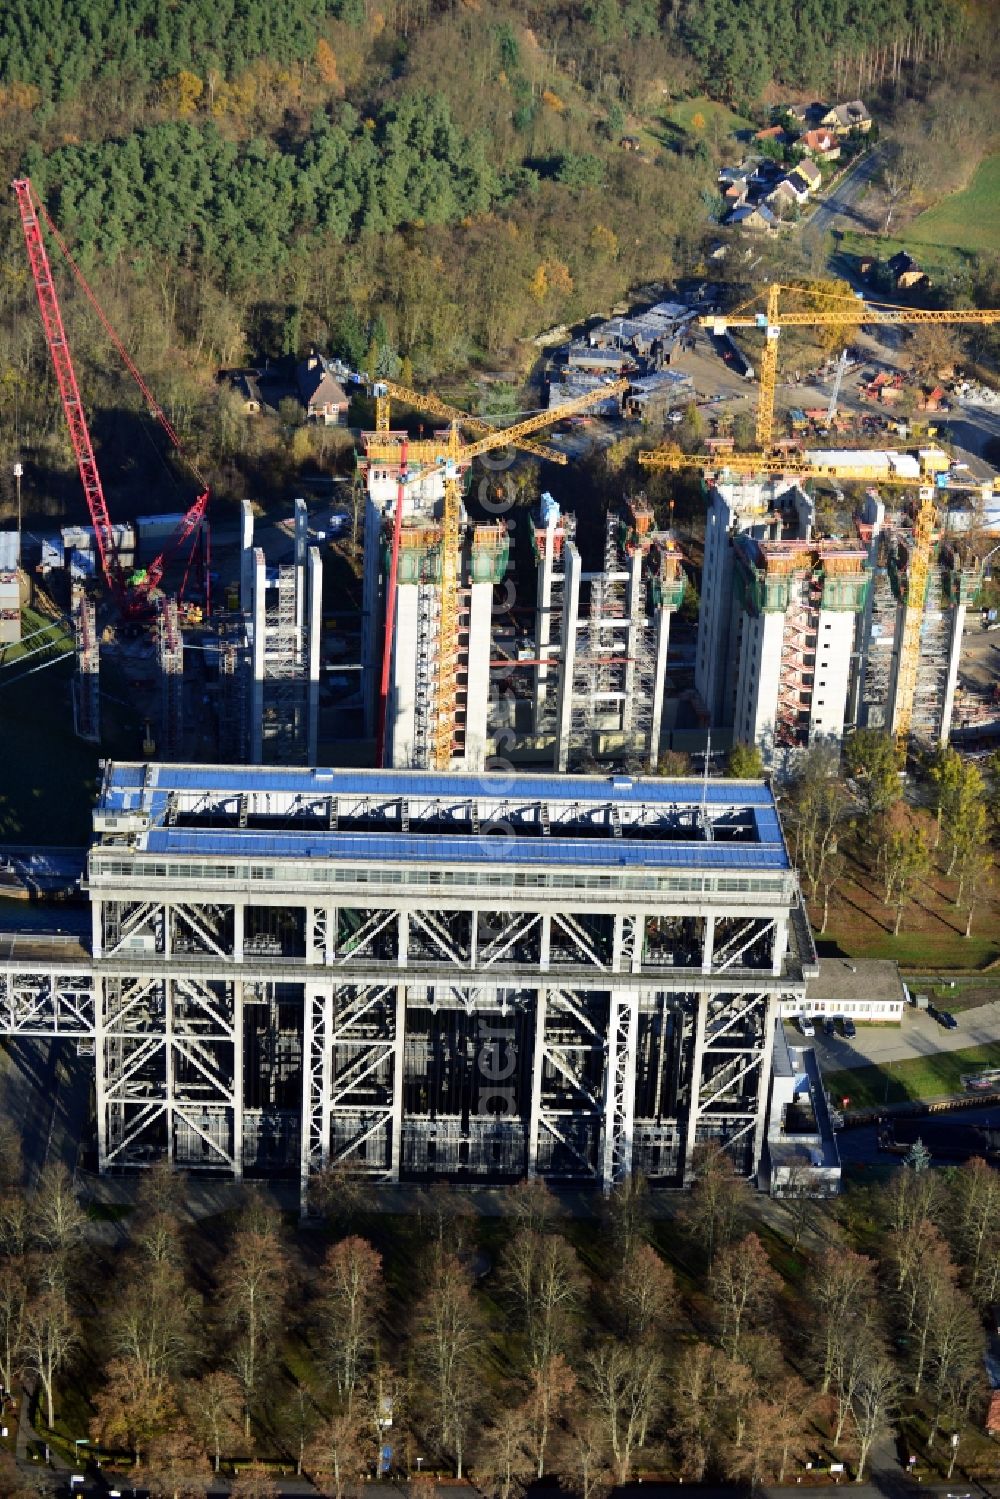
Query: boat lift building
{"points": [[426, 976]]}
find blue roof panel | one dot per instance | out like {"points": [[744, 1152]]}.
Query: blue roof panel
{"points": [[413, 848], [454, 786]]}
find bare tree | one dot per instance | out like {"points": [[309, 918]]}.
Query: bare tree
{"points": [[214, 1406], [130, 1408], [533, 1204], [932, 1285], [340, 1193], [691, 1408], [353, 1292], [153, 1321], [336, 1452], [447, 1334], [956, 1346], [716, 1204], [451, 1217], [876, 1393], [50, 1337], [59, 1223], [505, 1465], [254, 1284], [254, 1481], [177, 1467], [643, 1295], [552, 1384], [624, 1384], [584, 1465], [542, 1273], [978, 1213], [844, 1289], [13, 1305], [628, 1213], [743, 1286]]}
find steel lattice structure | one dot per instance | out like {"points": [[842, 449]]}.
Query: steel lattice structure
{"points": [[427, 976]]}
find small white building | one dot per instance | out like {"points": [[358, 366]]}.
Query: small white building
{"points": [[802, 1158], [867, 989]]}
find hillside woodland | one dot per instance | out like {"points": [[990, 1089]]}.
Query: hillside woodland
{"points": [[414, 185]]}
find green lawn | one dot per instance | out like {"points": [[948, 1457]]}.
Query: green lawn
{"points": [[917, 952], [715, 116], [969, 220], [915, 1078]]}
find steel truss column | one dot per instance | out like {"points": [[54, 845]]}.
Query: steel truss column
{"points": [[537, 1069], [619, 1106], [706, 961], [697, 1061], [238, 1068], [396, 1142], [100, 1073], [239, 910], [316, 1091]]}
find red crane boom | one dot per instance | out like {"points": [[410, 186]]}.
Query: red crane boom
{"points": [[55, 337], [133, 597]]}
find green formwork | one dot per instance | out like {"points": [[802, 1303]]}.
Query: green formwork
{"points": [[489, 562], [849, 594]]}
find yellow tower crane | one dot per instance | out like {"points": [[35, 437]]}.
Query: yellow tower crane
{"points": [[448, 455], [838, 310], [388, 390]]}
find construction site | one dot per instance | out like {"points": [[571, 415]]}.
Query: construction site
{"points": [[506, 947]]}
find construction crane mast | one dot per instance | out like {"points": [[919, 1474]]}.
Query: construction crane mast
{"points": [[449, 456], [852, 311], [62, 360], [132, 595]]}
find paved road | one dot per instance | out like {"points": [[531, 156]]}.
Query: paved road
{"points": [[918, 1036], [840, 209]]}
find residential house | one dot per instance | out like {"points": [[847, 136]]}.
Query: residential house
{"points": [[820, 143], [245, 386], [631, 143], [775, 133], [808, 173], [806, 115], [906, 273], [755, 217], [843, 118], [783, 199], [866, 265], [735, 193], [320, 392]]}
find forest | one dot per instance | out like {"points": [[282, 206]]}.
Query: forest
{"points": [[711, 1336], [419, 184]]}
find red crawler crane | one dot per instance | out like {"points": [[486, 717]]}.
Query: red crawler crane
{"points": [[131, 595]]}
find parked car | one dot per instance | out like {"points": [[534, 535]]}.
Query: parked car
{"points": [[850, 1029], [830, 1026], [947, 1019], [806, 1026]]}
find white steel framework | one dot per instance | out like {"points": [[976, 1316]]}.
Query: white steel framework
{"points": [[425, 976]]}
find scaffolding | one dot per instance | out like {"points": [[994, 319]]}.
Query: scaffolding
{"points": [[601, 638], [170, 656], [283, 610], [87, 682], [232, 697]]}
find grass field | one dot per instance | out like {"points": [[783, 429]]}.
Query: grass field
{"points": [[969, 220], [683, 114], [910, 1080]]}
